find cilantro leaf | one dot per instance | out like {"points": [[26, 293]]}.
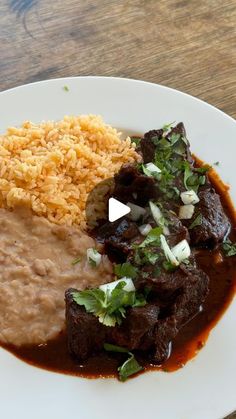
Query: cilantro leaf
{"points": [[66, 88], [153, 236], [130, 367], [229, 248], [109, 307], [193, 178], [125, 269], [187, 172], [135, 140], [167, 127], [203, 169], [196, 222], [114, 348]]}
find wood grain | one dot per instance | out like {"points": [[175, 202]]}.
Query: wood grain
{"points": [[186, 44], [189, 45]]}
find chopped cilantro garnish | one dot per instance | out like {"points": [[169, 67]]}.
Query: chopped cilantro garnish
{"points": [[173, 138], [152, 237], [92, 262], [196, 222], [135, 140], [129, 367], [168, 266], [192, 180], [66, 88], [76, 261], [109, 307], [115, 348], [229, 248], [125, 269], [216, 163], [203, 169], [149, 173], [167, 127]]}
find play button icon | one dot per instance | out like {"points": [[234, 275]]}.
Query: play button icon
{"points": [[116, 209], [101, 207]]}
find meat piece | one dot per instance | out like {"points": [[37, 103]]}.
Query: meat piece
{"points": [[214, 223], [178, 231], [163, 284], [180, 129], [85, 334], [117, 237], [122, 229], [165, 332], [137, 328], [148, 144], [187, 304], [149, 328], [133, 186]]}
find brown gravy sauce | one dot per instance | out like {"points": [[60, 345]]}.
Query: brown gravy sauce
{"points": [[221, 270]]}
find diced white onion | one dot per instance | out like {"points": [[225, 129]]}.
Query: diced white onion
{"points": [[166, 231], [135, 195], [156, 212], [168, 253], [181, 251], [189, 197], [144, 229], [135, 211], [94, 255], [152, 168], [186, 212], [158, 217], [111, 285]]}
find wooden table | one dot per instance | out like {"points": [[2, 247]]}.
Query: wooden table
{"points": [[186, 44]]}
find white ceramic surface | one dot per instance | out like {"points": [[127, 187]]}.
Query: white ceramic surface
{"points": [[206, 387]]}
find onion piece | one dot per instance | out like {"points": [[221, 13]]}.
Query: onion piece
{"points": [[135, 211], [189, 197], [144, 229], [156, 212], [94, 256], [186, 212], [181, 250], [168, 253], [152, 168], [158, 217], [109, 287]]}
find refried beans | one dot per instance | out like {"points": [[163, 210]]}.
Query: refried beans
{"points": [[36, 259]]}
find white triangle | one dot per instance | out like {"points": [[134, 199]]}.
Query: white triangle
{"points": [[116, 209]]}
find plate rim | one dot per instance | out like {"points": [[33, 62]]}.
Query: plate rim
{"points": [[122, 79], [130, 80]]}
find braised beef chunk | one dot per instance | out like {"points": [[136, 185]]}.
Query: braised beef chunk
{"points": [[165, 332], [85, 334], [176, 298], [133, 186], [194, 293], [148, 144], [117, 237], [172, 283], [122, 229], [213, 224], [177, 230], [135, 331], [179, 295]]}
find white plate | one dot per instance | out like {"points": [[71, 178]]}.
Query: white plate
{"points": [[206, 387]]}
